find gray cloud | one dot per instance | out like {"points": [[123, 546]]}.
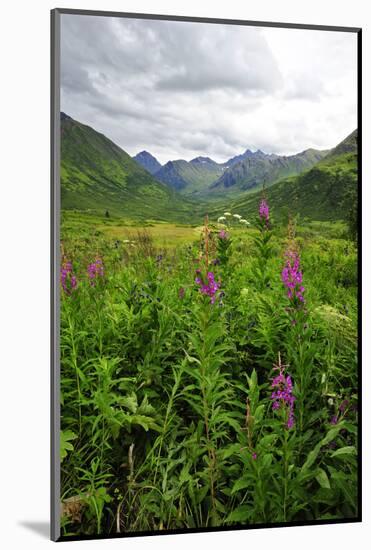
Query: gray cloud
{"points": [[185, 89]]}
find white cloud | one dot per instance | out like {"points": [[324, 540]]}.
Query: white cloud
{"points": [[180, 90]]}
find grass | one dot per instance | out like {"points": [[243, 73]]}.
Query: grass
{"points": [[167, 416]]}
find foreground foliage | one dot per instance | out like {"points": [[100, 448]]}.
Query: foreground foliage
{"points": [[208, 384]]}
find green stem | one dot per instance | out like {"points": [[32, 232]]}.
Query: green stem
{"points": [[74, 361], [286, 471], [210, 449]]}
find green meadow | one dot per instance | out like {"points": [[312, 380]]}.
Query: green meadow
{"points": [[169, 377]]}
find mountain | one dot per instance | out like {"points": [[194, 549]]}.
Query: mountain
{"points": [[348, 145], [204, 162], [190, 178], [98, 176], [320, 193], [204, 178], [148, 161], [247, 154], [257, 169]]}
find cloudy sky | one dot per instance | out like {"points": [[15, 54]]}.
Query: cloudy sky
{"points": [[180, 90]]}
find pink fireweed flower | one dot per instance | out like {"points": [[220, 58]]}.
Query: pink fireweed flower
{"points": [[292, 277], [95, 270], [223, 234], [282, 396], [264, 210], [68, 279], [209, 287]]}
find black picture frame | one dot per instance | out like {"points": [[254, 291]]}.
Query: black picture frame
{"points": [[55, 263]]}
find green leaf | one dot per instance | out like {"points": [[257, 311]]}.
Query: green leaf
{"points": [[322, 479], [259, 413], [345, 451], [232, 449], [240, 484], [240, 514], [312, 456], [65, 437], [267, 460]]}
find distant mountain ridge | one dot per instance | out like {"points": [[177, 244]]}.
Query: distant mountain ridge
{"points": [[247, 154], [203, 177], [191, 177], [258, 169]]}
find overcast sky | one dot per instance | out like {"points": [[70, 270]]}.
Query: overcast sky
{"points": [[179, 90]]}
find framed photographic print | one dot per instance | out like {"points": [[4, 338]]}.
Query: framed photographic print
{"points": [[206, 191]]}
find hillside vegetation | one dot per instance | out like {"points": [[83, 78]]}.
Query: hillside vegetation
{"points": [[97, 176], [325, 192]]}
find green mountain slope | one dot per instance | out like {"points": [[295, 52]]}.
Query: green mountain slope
{"points": [[192, 177], [98, 176], [320, 193], [258, 169]]}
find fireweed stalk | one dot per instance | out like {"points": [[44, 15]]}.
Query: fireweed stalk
{"points": [[262, 242], [95, 271], [69, 285], [292, 278], [299, 351], [207, 285], [264, 212], [223, 248], [68, 279], [282, 396], [283, 400], [210, 382]]}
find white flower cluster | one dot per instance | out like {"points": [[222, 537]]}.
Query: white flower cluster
{"points": [[238, 217], [127, 241]]}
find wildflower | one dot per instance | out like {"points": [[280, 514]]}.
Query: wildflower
{"points": [[264, 210], [334, 420], [282, 395], [237, 216], [245, 222], [68, 279], [221, 219], [227, 214], [254, 456], [209, 287], [95, 270], [223, 234], [292, 277]]}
